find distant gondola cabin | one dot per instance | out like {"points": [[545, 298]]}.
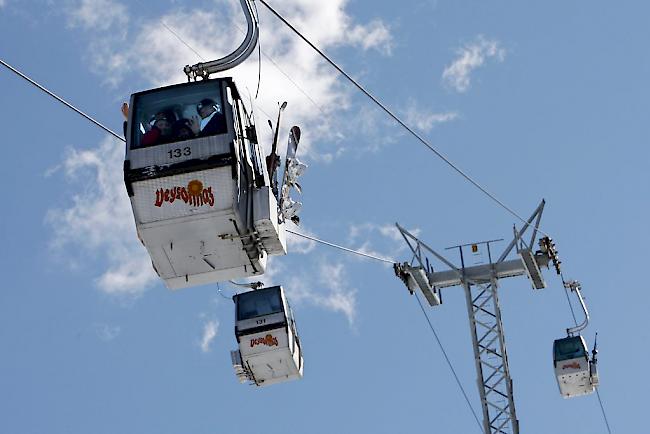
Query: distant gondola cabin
{"points": [[269, 347], [576, 374], [198, 185]]}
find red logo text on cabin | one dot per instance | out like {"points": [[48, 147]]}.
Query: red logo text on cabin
{"points": [[268, 340], [194, 194], [574, 365]]}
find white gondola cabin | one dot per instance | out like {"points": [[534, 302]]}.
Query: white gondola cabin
{"points": [[269, 347], [576, 374], [198, 184]]}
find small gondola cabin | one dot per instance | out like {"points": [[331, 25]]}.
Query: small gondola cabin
{"points": [[269, 347], [576, 375], [198, 185]]}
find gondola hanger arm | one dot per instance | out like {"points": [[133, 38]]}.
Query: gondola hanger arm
{"points": [[575, 286], [241, 53]]}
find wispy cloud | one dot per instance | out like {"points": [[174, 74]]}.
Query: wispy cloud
{"points": [[341, 297], [107, 332], [366, 236], [98, 15], [2, 3], [326, 284], [316, 282], [373, 35], [296, 243], [99, 220], [470, 57], [326, 287], [371, 123], [425, 120], [328, 24], [210, 329], [153, 50]]}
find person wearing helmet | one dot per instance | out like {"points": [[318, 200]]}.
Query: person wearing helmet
{"points": [[212, 120]]}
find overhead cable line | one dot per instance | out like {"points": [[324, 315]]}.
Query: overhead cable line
{"points": [[345, 249], [70, 106], [268, 57], [181, 39], [435, 334], [356, 252], [568, 299], [387, 111], [603, 411], [61, 100], [600, 402], [451, 367], [396, 118], [288, 77]]}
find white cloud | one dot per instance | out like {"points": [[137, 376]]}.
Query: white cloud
{"points": [[374, 35], [391, 232], [210, 329], [321, 283], [371, 124], [367, 235], [100, 221], [3, 3], [327, 24], [326, 287], [298, 244], [425, 120], [470, 57], [107, 332], [156, 54], [341, 297], [98, 15]]}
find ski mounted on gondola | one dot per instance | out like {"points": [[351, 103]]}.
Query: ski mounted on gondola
{"points": [[293, 168]]}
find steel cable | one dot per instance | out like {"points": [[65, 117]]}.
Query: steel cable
{"points": [[61, 100], [602, 409], [345, 249], [396, 118], [387, 111], [451, 367]]}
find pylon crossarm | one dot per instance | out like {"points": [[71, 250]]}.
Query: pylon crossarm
{"points": [[538, 214], [438, 256], [478, 274], [536, 227], [481, 294]]}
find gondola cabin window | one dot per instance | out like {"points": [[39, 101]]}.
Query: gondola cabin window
{"points": [[177, 114], [569, 348], [258, 303]]}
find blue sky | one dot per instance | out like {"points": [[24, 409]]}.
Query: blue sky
{"points": [[533, 100]]}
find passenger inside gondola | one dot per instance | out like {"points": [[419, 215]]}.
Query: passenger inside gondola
{"points": [[161, 131], [569, 348], [177, 114], [182, 130], [212, 119]]}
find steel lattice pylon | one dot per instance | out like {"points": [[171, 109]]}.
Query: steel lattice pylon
{"points": [[495, 384], [480, 283]]}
